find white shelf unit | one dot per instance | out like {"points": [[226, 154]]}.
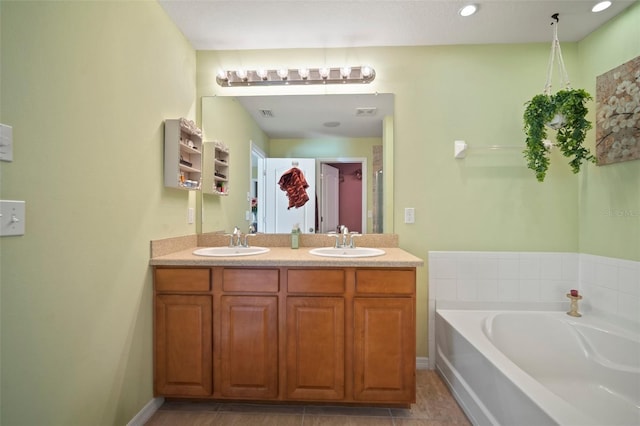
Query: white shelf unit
{"points": [[221, 169], [182, 154]]}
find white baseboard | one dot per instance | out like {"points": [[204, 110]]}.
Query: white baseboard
{"points": [[147, 411], [422, 363]]}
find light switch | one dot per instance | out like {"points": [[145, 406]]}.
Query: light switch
{"points": [[12, 217], [6, 142]]}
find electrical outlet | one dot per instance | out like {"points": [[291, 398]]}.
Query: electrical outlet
{"points": [[409, 215]]}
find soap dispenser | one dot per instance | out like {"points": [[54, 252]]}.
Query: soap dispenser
{"points": [[295, 236]]}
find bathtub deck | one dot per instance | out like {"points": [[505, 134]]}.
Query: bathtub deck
{"points": [[590, 397]]}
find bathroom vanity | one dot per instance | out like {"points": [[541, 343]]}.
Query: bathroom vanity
{"points": [[286, 326]]}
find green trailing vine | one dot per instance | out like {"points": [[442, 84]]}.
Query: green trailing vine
{"points": [[540, 110]]}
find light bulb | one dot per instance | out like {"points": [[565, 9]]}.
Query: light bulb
{"points": [[345, 72], [242, 74], [304, 73], [283, 73], [222, 75], [262, 73], [324, 72], [366, 71]]}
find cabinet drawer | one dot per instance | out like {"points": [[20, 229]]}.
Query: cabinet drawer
{"points": [[316, 281], [254, 280], [386, 281], [182, 279]]}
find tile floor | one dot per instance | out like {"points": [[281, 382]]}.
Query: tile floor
{"points": [[434, 407]]}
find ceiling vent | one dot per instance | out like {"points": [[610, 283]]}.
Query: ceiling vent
{"points": [[266, 113], [366, 111]]}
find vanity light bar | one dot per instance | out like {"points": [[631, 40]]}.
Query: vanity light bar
{"points": [[284, 76]]}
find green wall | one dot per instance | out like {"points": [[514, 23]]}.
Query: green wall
{"points": [[610, 195], [324, 148], [227, 121], [86, 87]]}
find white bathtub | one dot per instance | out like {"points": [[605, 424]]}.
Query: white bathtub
{"points": [[539, 368]]}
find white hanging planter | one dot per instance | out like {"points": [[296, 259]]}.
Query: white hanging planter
{"points": [[557, 122]]}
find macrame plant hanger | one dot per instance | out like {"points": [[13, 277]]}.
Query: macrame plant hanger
{"points": [[556, 55]]}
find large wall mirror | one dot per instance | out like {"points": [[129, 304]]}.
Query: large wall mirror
{"points": [[342, 143]]}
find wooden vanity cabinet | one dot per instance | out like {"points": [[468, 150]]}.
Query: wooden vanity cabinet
{"points": [[286, 334], [247, 355], [182, 332], [315, 367], [384, 337]]}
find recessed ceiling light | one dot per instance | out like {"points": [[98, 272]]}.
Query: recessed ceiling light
{"points": [[331, 124], [599, 7], [468, 10]]}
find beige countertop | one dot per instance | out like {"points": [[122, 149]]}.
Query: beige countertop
{"points": [[284, 256], [178, 251]]}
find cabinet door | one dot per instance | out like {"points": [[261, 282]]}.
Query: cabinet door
{"points": [[384, 350], [315, 348], [183, 357], [249, 346]]}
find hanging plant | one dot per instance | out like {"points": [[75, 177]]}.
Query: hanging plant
{"points": [[565, 112]]}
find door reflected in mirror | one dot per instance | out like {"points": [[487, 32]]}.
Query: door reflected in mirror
{"points": [[348, 138]]}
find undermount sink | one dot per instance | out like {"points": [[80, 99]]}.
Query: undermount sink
{"points": [[347, 252], [230, 251]]}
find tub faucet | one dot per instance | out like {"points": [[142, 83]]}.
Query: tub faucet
{"points": [[573, 308]]}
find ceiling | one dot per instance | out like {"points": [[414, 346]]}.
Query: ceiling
{"points": [[280, 24], [314, 116]]}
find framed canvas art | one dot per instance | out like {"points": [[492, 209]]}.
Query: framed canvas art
{"points": [[618, 114]]}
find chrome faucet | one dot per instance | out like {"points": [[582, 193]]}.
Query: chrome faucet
{"points": [[352, 242], [345, 233], [348, 238], [246, 237], [235, 238], [337, 237]]}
